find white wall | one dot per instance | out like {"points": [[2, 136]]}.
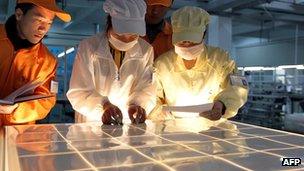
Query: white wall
{"points": [[270, 54], [220, 33]]}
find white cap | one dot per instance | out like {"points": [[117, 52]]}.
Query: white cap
{"points": [[128, 16]]}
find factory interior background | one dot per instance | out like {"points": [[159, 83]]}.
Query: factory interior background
{"points": [[264, 37]]}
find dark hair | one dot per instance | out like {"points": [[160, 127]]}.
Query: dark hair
{"points": [[205, 33], [25, 7], [108, 23]]}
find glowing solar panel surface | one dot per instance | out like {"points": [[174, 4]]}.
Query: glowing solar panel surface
{"points": [[183, 144]]}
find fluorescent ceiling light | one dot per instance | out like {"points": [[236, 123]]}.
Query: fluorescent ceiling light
{"points": [[255, 68], [70, 50], [289, 66], [258, 68], [269, 69], [300, 67], [61, 55]]}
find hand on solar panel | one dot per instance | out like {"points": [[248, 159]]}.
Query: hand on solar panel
{"points": [[7, 109], [111, 114], [137, 114], [216, 113]]}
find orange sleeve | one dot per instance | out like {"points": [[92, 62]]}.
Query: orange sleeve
{"points": [[36, 109]]}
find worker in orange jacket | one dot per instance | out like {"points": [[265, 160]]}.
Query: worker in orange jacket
{"points": [[23, 59], [158, 30]]}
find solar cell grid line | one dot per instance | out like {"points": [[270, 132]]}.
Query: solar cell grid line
{"points": [[120, 166], [38, 142], [268, 151], [33, 133], [229, 141], [260, 161], [204, 155], [61, 152], [251, 137], [254, 152], [134, 149], [241, 131], [297, 140], [249, 152], [254, 132], [45, 154], [229, 154], [126, 165], [68, 152], [80, 155], [217, 157], [257, 151], [270, 136], [85, 151], [260, 137], [213, 139], [263, 151], [275, 130], [265, 138], [183, 158], [82, 151], [288, 148]]}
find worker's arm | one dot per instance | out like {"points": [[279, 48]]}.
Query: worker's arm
{"points": [[157, 114], [143, 91], [33, 110], [82, 93], [233, 95]]}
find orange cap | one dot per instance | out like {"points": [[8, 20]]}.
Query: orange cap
{"points": [[50, 5], [166, 3]]}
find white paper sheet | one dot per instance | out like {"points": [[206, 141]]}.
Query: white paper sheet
{"points": [[191, 109]]}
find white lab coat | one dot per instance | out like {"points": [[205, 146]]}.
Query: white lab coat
{"points": [[95, 78]]}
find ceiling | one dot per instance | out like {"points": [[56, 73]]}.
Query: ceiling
{"points": [[257, 19]]}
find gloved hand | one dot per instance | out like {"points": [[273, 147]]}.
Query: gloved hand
{"points": [[137, 114], [216, 113], [7, 109], [111, 114]]}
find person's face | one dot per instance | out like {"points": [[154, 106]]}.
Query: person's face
{"points": [[186, 44], [34, 25], [123, 37], [155, 13]]}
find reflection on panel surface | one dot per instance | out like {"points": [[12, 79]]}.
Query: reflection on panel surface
{"points": [[170, 145]]}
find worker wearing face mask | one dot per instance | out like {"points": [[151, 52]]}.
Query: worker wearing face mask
{"points": [[194, 73], [112, 73]]}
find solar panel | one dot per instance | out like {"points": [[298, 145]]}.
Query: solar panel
{"points": [[181, 144]]}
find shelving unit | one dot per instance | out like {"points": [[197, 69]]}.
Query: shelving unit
{"points": [[272, 95]]}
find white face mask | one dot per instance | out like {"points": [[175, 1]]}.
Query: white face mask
{"points": [[120, 45], [189, 53]]}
